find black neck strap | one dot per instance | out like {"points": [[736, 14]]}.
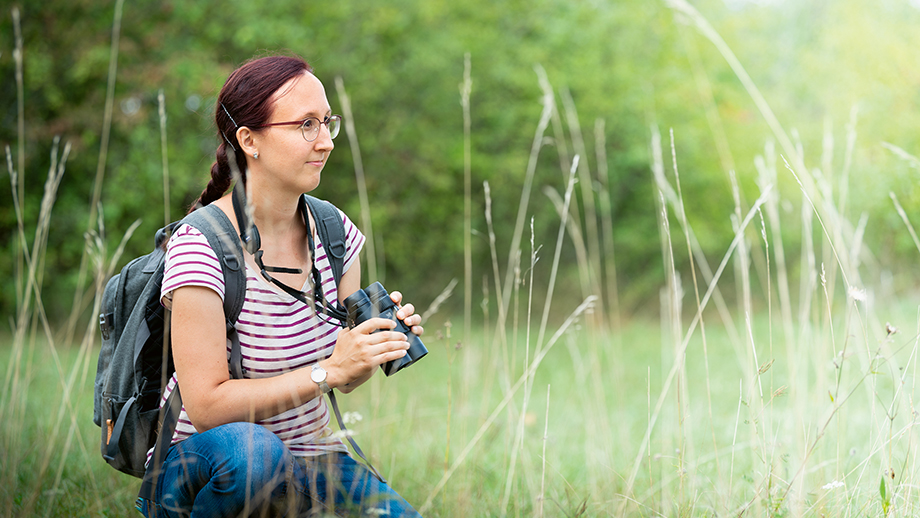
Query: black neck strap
{"points": [[249, 235]]}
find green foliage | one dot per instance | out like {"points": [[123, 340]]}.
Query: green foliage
{"points": [[631, 64]]}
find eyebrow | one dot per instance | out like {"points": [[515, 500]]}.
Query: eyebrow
{"points": [[327, 113]]}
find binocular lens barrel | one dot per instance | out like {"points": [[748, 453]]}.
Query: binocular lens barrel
{"points": [[374, 301]]}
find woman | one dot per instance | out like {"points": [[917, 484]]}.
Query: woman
{"points": [[263, 444]]}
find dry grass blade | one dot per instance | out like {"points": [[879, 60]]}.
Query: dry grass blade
{"points": [[548, 106], [161, 102], [910, 228], [465, 89], [555, 268], [100, 165], [19, 192], [519, 439], [584, 306], [912, 160], [440, 299], [683, 348], [587, 195], [367, 227]]}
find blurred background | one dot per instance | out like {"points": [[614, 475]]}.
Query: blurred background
{"points": [[841, 77]]}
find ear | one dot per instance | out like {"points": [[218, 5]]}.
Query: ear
{"points": [[247, 139]]}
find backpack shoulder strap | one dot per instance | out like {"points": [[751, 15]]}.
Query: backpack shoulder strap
{"points": [[211, 221], [219, 231], [331, 231]]}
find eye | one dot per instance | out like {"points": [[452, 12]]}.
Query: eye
{"points": [[310, 123]]}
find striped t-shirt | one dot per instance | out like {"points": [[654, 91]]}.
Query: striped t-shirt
{"points": [[277, 332]]}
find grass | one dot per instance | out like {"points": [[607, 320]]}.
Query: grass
{"points": [[778, 405], [725, 466]]}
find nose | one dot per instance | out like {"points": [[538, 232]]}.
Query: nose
{"points": [[323, 140]]}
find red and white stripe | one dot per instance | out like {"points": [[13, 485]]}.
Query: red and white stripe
{"points": [[277, 332]]}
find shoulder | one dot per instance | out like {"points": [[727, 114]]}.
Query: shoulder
{"points": [[190, 260], [186, 236]]}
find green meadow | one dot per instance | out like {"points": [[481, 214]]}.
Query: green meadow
{"points": [[624, 316]]}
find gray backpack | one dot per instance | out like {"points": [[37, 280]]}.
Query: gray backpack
{"points": [[135, 362]]}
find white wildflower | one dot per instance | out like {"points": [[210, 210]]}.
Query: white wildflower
{"points": [[857, 293], [352, 417], [343, 434], [833, 485]]}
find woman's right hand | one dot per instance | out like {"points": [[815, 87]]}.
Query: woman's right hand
{"points": [[360, 351]]}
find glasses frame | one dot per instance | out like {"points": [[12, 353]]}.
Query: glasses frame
{"points": [[326, 121]]}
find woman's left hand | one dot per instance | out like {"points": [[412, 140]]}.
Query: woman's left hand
{"points": [[407, 314]]}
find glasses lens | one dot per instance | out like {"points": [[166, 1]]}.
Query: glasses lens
{"points": [[335, 122], [310, 129]]}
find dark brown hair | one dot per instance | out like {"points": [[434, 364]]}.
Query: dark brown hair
{"points": [[245, 100]]}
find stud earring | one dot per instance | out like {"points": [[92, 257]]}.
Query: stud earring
{"points": [[255, 155]]}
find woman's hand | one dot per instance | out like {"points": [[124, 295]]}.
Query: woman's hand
{"points": [[360, 351], [407, 314]]}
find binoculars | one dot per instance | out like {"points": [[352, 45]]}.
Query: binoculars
{"points": [[374, 301]]}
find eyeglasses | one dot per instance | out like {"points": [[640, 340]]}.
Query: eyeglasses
{"points": [[309, 127]]}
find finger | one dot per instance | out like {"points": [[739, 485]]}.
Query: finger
{"points": [[396, 297], [392, 355], [373, 324], [413, 320], [418, 330], [406, 311], [384, 340]]}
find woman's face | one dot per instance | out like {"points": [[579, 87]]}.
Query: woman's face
{"points": [[286, 160]]}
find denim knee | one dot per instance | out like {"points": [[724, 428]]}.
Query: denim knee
{"points": [[251, 454], [233, 469]]}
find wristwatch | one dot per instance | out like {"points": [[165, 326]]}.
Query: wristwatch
{"points": [[318, 375]]}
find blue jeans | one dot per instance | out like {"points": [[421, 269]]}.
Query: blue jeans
{"points": [[242, 469]]}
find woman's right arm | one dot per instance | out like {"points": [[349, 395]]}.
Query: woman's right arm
{"points": [[212, 398]]}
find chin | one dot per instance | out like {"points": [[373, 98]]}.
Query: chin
{"points": [[309, 186]]}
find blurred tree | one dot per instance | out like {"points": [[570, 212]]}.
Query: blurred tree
{"points": [[632, 64]]}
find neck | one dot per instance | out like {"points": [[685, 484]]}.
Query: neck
{"points": [[275, 213]]}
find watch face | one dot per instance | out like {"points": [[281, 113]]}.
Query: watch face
{"points": [[318, 374]]}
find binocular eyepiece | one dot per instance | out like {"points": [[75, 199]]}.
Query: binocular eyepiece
{"points": [[374, 301]]}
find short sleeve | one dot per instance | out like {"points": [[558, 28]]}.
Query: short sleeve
{"points": [[190, 261]]}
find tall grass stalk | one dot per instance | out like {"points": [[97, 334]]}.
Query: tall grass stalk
{"points": [[80, 295], [532, 368], [16, 385], [548, 106], [911, 160], [766, 175], [500, 339], [670, 195], [465, 90], [528, 383], [578, 242], [542, 497], [630, 481], [606, 209], [19, 192], [161, 103], [588, 201], [682, 218], [671, 306], [905, 219], [366, 225]]}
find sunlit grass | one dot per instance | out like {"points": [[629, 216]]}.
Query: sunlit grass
{"points": [[791, 394]]}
